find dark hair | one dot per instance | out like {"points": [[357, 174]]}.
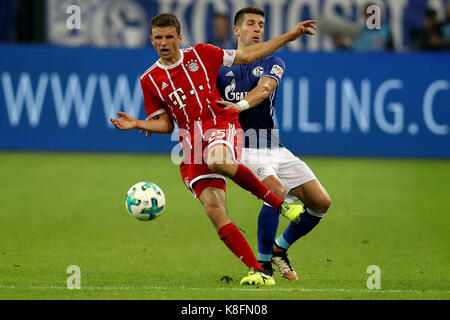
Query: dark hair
{"points": [[165, 20], [238, 18]]}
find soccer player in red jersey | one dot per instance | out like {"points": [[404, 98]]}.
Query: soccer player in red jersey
{"points": [[181, 87]]}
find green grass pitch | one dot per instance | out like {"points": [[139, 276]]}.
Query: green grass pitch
{"points": [[62, 209]]}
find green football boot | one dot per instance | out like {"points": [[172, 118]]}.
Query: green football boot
{"points": [[258, 278], [291, 211]]}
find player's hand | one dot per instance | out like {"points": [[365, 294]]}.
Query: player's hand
{"points": [[303, 27], [147, 133], [229, 105], [125, 122]]}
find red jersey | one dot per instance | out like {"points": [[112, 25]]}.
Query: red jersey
{"points": [[187, 89]]}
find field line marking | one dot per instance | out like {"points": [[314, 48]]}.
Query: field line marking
{"points": [[225, 289]]}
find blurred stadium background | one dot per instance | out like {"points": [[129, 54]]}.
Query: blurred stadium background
{"points": [[349, 92]]}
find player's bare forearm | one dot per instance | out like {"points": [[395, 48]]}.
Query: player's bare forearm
{"points": [[127, 122], [265, 87], [157, 117], [256, 96], [159, 124], [164, 124], [261, 50], [154, 126]]}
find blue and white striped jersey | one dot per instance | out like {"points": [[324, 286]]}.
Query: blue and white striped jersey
{"points": [[235, 82]]}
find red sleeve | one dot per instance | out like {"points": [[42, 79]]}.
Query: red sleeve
{"points": [[212, 56], [153, 104]]}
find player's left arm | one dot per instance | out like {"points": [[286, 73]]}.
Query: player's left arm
{"points": [[150, 118], [163, 124], [266, 85]]}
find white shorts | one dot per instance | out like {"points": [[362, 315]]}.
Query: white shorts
{"points": [[280, 162]]}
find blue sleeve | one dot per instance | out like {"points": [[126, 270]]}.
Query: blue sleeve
{"points": [[273, 67]]}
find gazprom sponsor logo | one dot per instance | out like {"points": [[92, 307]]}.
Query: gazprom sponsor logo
{"points": [[232, 95]]}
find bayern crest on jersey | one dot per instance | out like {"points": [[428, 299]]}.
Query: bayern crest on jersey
{"points": [[192, 65]]}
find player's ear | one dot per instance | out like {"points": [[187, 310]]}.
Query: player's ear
{"points": [[236, 30], [179, 38]]}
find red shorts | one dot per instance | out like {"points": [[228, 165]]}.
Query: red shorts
{"points": [[195, 172]]}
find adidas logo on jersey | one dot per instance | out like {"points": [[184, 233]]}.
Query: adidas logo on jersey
{"points": [[229, 74], [164, 85]]}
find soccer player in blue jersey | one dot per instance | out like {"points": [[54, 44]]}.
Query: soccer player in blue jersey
{"points": [[251, 89]]}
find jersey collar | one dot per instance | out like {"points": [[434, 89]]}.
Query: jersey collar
{"points": [[176, 64]]}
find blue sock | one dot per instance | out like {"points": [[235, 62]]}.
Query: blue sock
{"points": [[297, 230], [268, 220]]}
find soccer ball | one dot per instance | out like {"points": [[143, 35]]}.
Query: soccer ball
{"points": [[145, 201]]}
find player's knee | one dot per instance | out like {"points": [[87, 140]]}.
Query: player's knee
{"points": [[327, 202], [322, 204], [214, 208], [217, 214]]}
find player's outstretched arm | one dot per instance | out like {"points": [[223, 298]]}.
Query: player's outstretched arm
{"points": [[148, 134], [261, 50], [127, 122]]}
